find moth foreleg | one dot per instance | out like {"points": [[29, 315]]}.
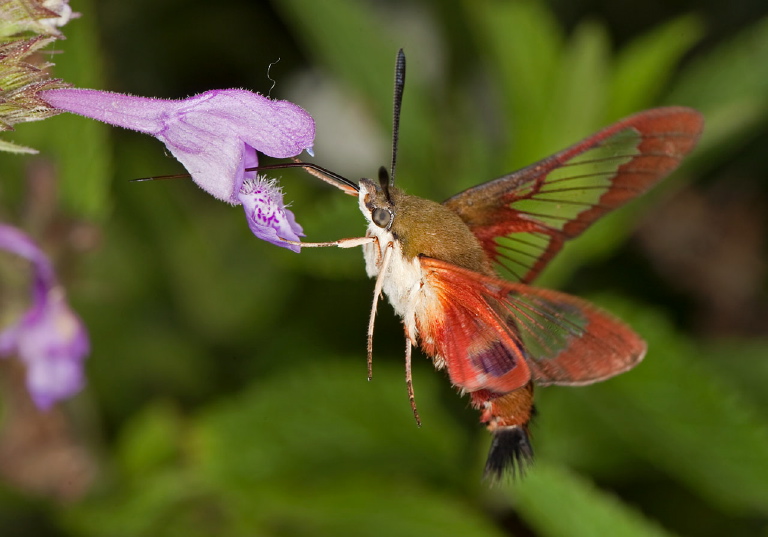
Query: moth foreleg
{"points": [[341, 243], [376, 294]]}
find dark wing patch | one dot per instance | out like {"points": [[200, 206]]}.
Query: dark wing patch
{"points": [[498, 334]]}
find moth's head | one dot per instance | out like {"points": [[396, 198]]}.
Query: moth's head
{"points": [[420, 226], [376, 205]]}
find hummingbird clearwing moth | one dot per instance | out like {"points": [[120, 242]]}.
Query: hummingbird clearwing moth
{"points": [[458, 273]]}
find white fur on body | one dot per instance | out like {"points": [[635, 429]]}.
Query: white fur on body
{"points": [[404, 281]]}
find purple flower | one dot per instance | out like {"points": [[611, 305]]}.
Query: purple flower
{"points": [[49, 338], [267, 215], [215, 135]]}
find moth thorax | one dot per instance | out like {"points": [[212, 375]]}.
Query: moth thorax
{"points": [[424, 227]]}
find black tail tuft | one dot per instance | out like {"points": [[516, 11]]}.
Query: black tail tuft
{"points": [[510, 453]]}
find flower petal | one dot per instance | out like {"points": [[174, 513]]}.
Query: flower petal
{"points": [[208, 133], [19, 243], [278, 129], [267, 215], [49, 338], [141, 114], [52, 342]]}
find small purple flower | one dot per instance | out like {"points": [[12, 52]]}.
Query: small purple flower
{"points": [[49, 338], [267, 215]]}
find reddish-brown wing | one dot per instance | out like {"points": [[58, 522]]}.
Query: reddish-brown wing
{"points": [[496, 335], [523, 219]]}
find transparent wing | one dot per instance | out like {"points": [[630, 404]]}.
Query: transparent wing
{"points": [[524, 218]]}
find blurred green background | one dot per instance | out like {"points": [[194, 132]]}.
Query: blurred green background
{"points": [[227, 386]]}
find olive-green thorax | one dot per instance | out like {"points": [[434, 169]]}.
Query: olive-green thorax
{"points": [[425, 227]]}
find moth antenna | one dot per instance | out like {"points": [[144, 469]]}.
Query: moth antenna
{"points": [[376, 294], [399, 86], [409, 379]]}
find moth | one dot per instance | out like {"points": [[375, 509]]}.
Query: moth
{"points": [[458, 273]]}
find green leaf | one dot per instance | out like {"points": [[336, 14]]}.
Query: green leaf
{"points": [[326, 419], [10, 147], [523, 45], [83, 145], [569, 432], [165, 504], [314, 451], [355, 506], [743, 363], [577, 97], [685, 419], [556, 502], [150, 440], [730, 86], [644, 66]]}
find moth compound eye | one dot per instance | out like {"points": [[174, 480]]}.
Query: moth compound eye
{"points": [[381, 217]]}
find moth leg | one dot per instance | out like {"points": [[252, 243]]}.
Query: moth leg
{"points": [[341, 243], [376, 294], [409, 379]]}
